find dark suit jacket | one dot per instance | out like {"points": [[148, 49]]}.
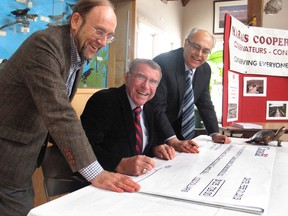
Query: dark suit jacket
{"points": [[33, 101], [108, 121], [170, 92]]}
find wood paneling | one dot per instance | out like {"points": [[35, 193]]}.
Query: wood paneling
{"points": [[80, 99], [39, 194], [122, 50], [255, 7]]}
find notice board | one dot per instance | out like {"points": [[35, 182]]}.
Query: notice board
{"points": [[255, 73]]}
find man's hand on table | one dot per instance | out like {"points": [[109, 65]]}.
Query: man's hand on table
{"points": [[187, 146], [219, 138], [115, 182], [135, 166]]}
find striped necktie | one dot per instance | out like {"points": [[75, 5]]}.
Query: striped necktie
{"points": [[188, 117], [139, 134]]}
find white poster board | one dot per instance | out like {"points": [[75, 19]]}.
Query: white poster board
{"points": [[258, 50], [234, 176]]}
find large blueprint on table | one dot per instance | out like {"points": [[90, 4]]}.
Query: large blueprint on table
{"points": [[233, 176]]}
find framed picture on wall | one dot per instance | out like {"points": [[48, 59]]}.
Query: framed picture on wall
{"points": [[277, 110], [254, 86], [237, 9]]}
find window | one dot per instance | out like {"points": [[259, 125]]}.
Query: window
{"points": [[152, 41], [215, 60]]}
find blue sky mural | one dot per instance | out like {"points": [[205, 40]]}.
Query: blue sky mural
{"points": [[43, 8], [14, 29]]}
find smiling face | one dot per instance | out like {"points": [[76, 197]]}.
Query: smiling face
{"points": [[196, 48], [83, 28], [142, 83]]}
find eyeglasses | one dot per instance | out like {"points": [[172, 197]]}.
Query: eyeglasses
{"points": [[143, 79], [198, 48], [101, 34]]}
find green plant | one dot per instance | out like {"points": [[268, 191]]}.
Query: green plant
{"points": [[215, 60]]}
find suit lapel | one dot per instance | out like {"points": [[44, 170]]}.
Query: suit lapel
{"points": [[180, 75], [198, 78], [75, 84], [148, 124], [127, 112]]}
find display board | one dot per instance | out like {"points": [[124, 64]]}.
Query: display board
{"points": [[255, 75]]}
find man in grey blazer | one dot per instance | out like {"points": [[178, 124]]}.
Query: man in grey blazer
{"points": [[36, 86], [108, 121], [168, 99]]}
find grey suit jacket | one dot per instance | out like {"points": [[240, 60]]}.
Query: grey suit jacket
{"points": [[33, 101], [170, 92]]}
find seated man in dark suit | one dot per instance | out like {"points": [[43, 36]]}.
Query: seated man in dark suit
{"points": [[121, 144]]}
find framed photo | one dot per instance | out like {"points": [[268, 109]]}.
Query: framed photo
{"points": [[277, 110], [255, 86], [237, 9]]}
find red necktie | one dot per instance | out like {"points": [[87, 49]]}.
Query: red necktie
{"points": [[139, 134]]}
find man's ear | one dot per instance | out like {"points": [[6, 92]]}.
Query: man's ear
{"points": [[76, 21]]}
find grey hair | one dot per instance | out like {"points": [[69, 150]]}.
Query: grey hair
{"points": [[195, 30], [134, 64]]}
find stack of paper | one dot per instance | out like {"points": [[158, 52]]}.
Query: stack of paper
{"points": [[244, 125]]}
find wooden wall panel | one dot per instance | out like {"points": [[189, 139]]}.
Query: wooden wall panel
{"points": [[255, 7]]}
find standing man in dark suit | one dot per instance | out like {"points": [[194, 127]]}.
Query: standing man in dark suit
{"points": [[36, 86], [108, 122], [168, 100]]}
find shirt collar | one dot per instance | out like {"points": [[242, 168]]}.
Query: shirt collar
{"points": [[75, 57], [132, 104], [187, 68]]}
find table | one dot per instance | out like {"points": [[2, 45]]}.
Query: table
{"points": [[93, 201], [246, 133]]}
